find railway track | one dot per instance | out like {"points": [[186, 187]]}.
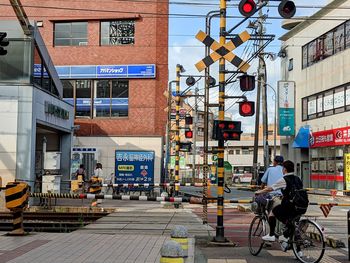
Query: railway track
{"points": [[50, 221]]}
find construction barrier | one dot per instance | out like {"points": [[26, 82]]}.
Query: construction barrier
{"points": [[16, 196]]}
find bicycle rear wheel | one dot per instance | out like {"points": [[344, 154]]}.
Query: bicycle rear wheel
{"points": [[308, 242], [257, 230]]}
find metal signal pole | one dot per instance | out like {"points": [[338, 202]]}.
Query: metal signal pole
{"points": [[177, 129], [220, 237]]}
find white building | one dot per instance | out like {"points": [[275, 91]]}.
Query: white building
{"points": [[317, 58]]}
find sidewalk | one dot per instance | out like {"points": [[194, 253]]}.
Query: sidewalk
{"points": [[134, 233]]}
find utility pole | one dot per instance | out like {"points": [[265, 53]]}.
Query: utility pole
{"points": [[220, 237], [261, 90], [177, 130], [194, 129]]}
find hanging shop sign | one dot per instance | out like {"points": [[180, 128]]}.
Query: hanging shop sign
{"points": [[334, 137], [286, 108], [347, 170]]}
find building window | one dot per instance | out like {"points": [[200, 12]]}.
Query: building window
{"points": [[326, 103], [339, 39], [41, 76], [347, 34], [97, 98], [245, 151], [83, 91], [238, 152], [118, 32], [71, 34], [290, 65], [326, 45]]}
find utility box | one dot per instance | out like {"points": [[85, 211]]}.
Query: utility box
{"points": [[52, 161], [51, 183]]}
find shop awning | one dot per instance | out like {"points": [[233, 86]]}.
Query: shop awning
{"points": [[302, 140], [227, 166]]}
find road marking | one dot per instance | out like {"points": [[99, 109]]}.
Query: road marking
{"points": [[227, 260]]}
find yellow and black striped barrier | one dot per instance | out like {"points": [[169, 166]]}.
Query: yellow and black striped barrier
{"points": [[16, 196], [95, 186]]}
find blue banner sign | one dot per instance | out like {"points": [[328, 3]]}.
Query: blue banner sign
{"points": [[112, 71], [134, 167], [84, 104], [102, 71], [286, 108]]}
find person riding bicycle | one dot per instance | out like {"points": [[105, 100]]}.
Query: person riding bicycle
{"points": [[287, 209], [270, 177], [273, 174]]}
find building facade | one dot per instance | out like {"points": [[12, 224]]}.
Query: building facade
{"points": [[36, 123], [112, 59], [317, 59]]}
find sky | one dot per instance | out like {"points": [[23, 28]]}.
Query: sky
{"points": [[186, 50]]}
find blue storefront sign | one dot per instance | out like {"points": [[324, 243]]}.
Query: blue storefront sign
{"points": [[102, 71], [133, 167]]}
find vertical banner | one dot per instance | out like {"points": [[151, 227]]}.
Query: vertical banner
{"points": [[286, 108], [347, 170]]}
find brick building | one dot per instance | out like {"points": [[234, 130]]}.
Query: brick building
{"points": [[112, 59]]}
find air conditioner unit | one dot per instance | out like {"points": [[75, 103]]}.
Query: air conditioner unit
{"points": [[83, 43]]}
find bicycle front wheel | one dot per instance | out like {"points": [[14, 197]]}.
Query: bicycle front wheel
{"points": [[257, 230], [308, 242]]}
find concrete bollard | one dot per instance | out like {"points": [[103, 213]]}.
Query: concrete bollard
{"points": [[180, 235], [164, 194], [171, 252]]}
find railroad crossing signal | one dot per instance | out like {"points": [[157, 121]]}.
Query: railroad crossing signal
{"points": [[222, 51]]}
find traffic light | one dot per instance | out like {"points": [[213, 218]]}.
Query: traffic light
{"points": [[247, 82], [189, 134], [247, 8], [3, 43], [188, 119], [185, 146], [227, 130], [286, 9], [246, 108]]}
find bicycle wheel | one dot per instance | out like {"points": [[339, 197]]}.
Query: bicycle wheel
{"points": [[308, 242], [257, 230]]}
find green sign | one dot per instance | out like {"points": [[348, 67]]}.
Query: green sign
{"points": [[182, 162], [286, 122], [214, 157]]}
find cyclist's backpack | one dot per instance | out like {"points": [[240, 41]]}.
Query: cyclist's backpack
{"points": [[297, 195]]}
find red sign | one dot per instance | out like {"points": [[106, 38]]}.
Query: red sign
{"points": [[335, 137], [144, 172]]}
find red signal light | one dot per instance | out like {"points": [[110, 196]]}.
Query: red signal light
{"points": [[247, 8], [189, 134], [247, 108], [235, 135], [231, 126], [225, 135], [222, 125]]}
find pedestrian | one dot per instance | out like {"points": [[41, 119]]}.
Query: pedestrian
{"points": [[80, 175], [98, 172], [81, 172]]}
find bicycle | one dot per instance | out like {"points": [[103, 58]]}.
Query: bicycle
{"points": [[306, 236]]}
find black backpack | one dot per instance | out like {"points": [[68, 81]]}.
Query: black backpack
{"points": [[297, 195]]}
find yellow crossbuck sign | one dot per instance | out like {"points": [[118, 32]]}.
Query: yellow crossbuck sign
{"points": [[223, 51]]}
